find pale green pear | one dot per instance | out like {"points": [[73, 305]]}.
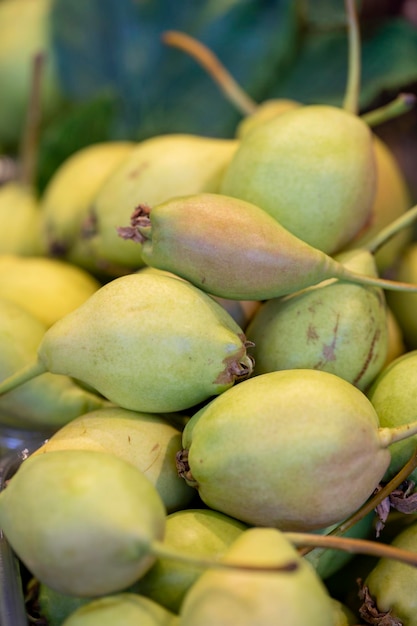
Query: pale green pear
{"points": [[54, 606], [233, 249], [122, 609], [295, 449], [66, 200], [147, 342], [47, 402], [18, 45], [245, 598], [20, 220], [392, 199], [199, 532], [148, 441], [313, 169], [394, 396], [82, 521], [48, 288], [335, 326], [392, 584], [156, 170], [403, 305]]}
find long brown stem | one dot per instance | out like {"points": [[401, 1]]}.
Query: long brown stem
{"points": [[213, 66], [29, 143]]}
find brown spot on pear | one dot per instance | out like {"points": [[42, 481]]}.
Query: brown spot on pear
{"points": [[247, 598], [335, 326], [82, 521], [148, 342], [295, 449]]}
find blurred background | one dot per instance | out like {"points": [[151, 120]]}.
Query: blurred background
{"points": [[109, 75]]}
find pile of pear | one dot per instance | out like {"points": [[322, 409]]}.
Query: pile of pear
{"points": [[214, 339]]}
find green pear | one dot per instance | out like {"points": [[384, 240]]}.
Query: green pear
{"points": [[17, 47], [201, 532], [82, 521], [48, 402], [335, 326], [403, 304], [147, 342], [245, 598], [233, 249], [54, 606], [156, 170], [392, 584], [294, 449], [148, 441], [66, 200], [313, 169], [392, 199], [48, 288], [396, 346], [122, 609], [394, 395]]}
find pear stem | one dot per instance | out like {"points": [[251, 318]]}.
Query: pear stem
{"points": [[30, 371], [213, 66], [355, 546], [351, 100], [402, 104], [382, 283], [29, 143], [160, 550], [386, 233], [388, 436]]}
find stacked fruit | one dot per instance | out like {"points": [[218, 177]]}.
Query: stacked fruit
{"points": [[227, 395]]}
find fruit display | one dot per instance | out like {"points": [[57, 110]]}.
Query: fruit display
{"points": [[207, 373]]}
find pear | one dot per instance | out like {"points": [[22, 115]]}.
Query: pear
{"points": [[394, 395], [266, 110], [148, 441], [82, 521], [335, 326], [202, 532], [157, 169], [252, 598], [396, 346], [392, 584], [147, 342], [20, 220], [313, 169], [233, 249], [50, 401], [294, 449], [66, 200], [48, 288], [403, 305], [52, 605], [122, 609]]}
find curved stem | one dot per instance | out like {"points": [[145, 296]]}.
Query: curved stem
{"points": [[160, 550], [403, 103], [386, 233], [210, 62], [382, 283], [32, 370], [354, 546], [351, 100]]}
